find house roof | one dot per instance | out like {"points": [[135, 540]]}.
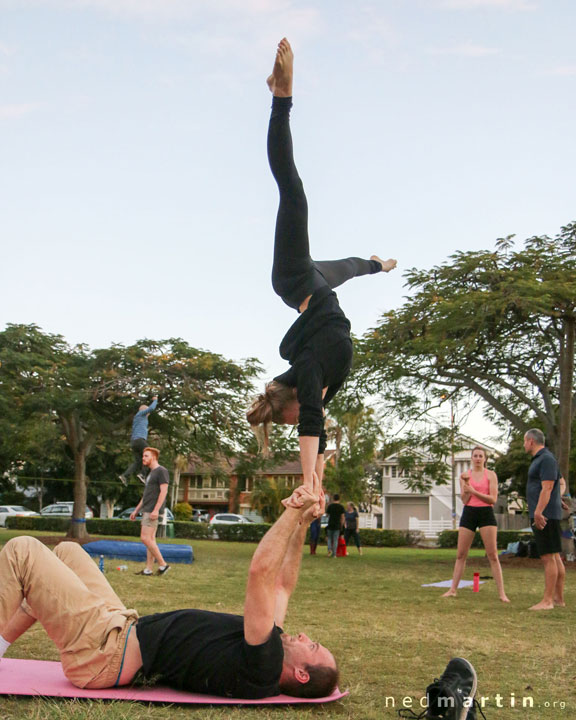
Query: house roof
{"points": [[228, 465]]}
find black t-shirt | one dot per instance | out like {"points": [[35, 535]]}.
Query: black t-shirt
{"points": [[544, 467], [205, 652], [158, 476], [319, 349], [334, 512]]}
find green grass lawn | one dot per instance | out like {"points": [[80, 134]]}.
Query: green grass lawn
{"points": [[390, 635]]}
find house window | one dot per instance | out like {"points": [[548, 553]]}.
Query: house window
{"points": [[394, 471]]}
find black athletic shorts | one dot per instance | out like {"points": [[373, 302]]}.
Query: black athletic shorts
{"points": [[476, 517], [549, 540]]}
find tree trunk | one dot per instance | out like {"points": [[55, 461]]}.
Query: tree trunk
{"points": [[566, 390], [77, 527]]}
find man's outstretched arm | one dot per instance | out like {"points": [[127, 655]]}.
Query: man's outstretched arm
{"points": [[267, 561]]}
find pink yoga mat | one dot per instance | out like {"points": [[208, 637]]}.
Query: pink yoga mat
{"points": [[39, 677]]}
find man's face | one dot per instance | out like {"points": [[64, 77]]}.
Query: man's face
{"points": [[528, 444], [300, 651], [147, 458]]}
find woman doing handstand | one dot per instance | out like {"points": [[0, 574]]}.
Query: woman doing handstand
{"points": [[318, 345], [479, 492]]}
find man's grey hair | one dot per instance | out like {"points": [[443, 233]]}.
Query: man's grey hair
{"points": [[536, 435]]}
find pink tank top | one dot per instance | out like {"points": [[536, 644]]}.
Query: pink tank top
{"points": [[482, 486]]}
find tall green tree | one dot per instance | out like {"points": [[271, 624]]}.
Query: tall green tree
{"points": [[496, 325], [92, 395], [356, 431]]}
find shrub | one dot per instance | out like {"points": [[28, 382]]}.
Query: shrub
{"points": [[59, 525], [240, 532], [192, 530], [182, 511]]}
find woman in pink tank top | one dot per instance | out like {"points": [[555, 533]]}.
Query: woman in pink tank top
{"points": [[479, 492]]}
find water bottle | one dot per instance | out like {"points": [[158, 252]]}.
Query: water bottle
{"points": [[122, 567], [101, 563]]}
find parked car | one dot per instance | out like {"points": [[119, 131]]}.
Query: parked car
{"points": [[63, 509], [125, 515], [199, 515], [14, 511], [228, 519]]}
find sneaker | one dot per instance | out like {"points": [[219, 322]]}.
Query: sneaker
{"points": [[123, 480], [144, 572], [141, 478], [163, 571], [452, 696]]}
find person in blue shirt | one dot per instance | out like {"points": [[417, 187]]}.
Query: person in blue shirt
{"points": [[545, 509], [138, 441]]}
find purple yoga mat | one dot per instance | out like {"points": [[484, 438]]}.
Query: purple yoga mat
{"points": [[39, 677]]}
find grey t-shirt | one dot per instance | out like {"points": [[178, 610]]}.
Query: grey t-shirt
{"points": [[544, 467], [155, 479]]}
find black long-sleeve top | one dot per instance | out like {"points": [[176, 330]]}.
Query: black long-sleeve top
{"points": [[319, 349]]}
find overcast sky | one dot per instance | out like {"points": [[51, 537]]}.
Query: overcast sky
{"points": [[135, 196]]}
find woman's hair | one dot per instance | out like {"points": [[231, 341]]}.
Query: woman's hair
{"points": [[478, 447], [268, 408]]}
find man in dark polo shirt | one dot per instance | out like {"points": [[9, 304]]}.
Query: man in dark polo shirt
{"points": [[152, 505], [545, 508]]}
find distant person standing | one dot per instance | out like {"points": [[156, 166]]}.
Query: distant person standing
{"points": [[351, 518], [566, 524], [335, 513], [315, 526], [138, 442], [545, 508], [152, 504]]}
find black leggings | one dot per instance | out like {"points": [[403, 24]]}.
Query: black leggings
{"points": [[295, 275]]}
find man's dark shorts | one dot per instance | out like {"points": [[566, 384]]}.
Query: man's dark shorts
{"points": [[549, 540]]}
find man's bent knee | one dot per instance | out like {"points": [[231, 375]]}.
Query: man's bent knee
{"points": [[67, 549]]}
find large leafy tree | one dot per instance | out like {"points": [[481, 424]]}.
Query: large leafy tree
{"points": [[356, 431], [492, 325], [91, 395]]}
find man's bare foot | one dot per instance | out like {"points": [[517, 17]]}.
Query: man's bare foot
{"points": [[387, 265], [504, 598], [542, 606], [559, 603], [450, 593], [280, 82]]}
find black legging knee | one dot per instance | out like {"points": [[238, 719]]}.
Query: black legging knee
{"points": [[295, 275]]}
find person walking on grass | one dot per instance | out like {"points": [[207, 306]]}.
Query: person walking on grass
{"points": [[351, 519], [335, 512], [479, 492], [138, 441], [545, 509], [152, 504]]}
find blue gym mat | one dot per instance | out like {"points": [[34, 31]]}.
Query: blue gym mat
{"points": [[136, 551]]}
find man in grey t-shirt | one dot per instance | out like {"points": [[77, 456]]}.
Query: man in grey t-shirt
{"points": [[152, 504], [545, 508]]}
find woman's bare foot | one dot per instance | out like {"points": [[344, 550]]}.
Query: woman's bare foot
{"points": [[280, 82], [450, 593], [387, 265], [542, 606], [504, 598]]}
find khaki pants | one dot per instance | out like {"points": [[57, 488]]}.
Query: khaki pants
{"points": [[73, 601]]}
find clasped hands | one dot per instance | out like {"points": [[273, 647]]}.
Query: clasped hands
{"points": [[311, 501]]}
